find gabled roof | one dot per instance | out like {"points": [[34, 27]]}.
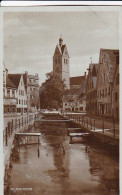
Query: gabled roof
{"points": [[93, 70], [76, 80], [9, 83], [62, 48], [15, 78], [109, 62], [94, 80]]}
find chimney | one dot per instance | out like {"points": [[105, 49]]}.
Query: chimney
{"points": [[85, 74]]}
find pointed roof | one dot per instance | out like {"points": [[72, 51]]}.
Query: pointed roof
{"points": [[15, 78], [109, 61], [93, 68], [9, 83], [76, 80]]}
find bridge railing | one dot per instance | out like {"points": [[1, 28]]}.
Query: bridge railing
{"points": [[94, 124], [16, 124]]}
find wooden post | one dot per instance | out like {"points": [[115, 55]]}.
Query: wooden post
{"points": [[91, 123], [103, 125], [6, 136], [9, 129], [94, 124], [12, 125], [22, 121]]}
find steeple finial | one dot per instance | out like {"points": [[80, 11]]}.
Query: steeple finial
{"points": [[91, 59]]}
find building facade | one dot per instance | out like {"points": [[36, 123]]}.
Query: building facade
{"points": [[21, 96], [74, 104], [108, 61], [116, 93], [91, 90], [9, 94], [61, 63], [32, 90]]}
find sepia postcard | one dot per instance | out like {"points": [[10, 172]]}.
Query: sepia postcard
{"points": [[60, 105]]}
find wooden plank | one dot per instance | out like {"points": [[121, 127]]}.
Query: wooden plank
{"points": [[71, 129], [52, 120], [29, 134], [78, 134], [101, 130]]}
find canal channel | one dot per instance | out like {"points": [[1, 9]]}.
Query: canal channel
{"points": [[56, 167]]}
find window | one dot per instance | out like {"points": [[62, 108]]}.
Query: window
{"points": [[19, 92], [59, 60], [109, 91], [8, 93], [13, 93], [22, 102], [104, 77], [64, 61], [81, 108], [30, 80], [56, 61], [19, 101], [65, 104], [116, 97], [103, 92], [98, 94]]}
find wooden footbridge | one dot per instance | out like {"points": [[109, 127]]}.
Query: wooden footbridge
{"points": [[76, 132], [28, 135]]}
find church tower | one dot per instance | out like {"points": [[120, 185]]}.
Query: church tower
{"points": [[61, 62]]}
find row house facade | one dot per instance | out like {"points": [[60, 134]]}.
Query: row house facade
{"points": [[9, 94], [116, 92], [108, 61], [32, 90], [74, 104], [75, 101], [21, 96], [91, 89]]}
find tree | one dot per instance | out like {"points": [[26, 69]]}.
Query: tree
{"points": [[52, 91], [35, 99]]}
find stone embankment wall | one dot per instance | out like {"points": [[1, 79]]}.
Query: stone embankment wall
{"points": [[13, 126], [108, 141]]}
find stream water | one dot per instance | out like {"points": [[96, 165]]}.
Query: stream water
{"points": [[58, 168]]}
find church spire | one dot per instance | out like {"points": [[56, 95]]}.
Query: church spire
{"points": [[60, 41]]}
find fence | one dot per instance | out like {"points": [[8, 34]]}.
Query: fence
{"points": [[94, 124], [16, 124]]}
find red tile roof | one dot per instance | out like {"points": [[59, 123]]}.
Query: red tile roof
{"points": [[15, 78], [9, 83], [76, 80]]}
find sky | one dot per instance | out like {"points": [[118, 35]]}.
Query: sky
{"points": [[30, 38]]}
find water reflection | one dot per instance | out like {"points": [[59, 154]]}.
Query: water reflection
{"points": [[58, 168]]}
